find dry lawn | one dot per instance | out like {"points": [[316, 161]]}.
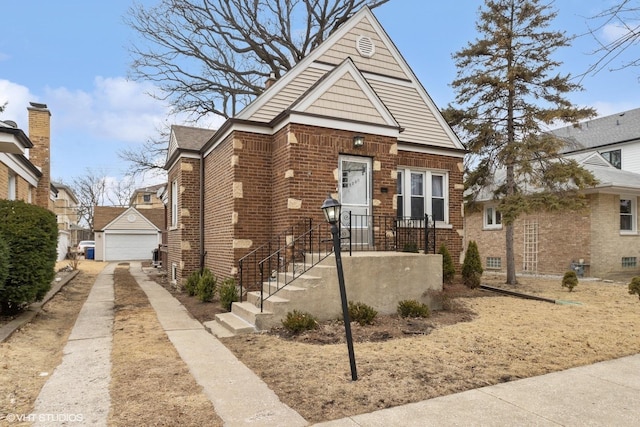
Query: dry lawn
{"points": [[150, 384], [507, 339], [31, 354]]}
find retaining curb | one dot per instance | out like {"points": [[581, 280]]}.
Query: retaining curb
{"points": [[29, 314]]}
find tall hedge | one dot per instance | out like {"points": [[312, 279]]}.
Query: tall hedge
{"points": [[31, 235]]}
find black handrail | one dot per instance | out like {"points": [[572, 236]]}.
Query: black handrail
{"points": [[272, 261]]}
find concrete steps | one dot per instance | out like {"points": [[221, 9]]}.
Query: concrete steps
{"points": [[246, 317]]}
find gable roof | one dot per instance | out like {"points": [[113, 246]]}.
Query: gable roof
{"points": [[367, 46], [610, 179], [186, 139], [104, 216], [602, 131]]}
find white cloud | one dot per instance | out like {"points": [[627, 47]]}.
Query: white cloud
{"points": [[612, 32], [115, 109], [17, 98]]}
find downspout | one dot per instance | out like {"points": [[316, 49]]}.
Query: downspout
{"points": [[201, 219]]}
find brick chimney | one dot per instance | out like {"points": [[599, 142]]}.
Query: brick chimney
{"points": [[40, 154]]}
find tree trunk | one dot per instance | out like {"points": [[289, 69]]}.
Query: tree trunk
{"points": [[511, 261]]}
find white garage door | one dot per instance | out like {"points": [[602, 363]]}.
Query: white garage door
{"points": [[123, 247]]}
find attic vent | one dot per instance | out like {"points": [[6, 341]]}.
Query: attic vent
{"points": [[365, 46]]}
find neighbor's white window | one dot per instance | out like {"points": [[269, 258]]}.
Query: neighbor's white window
{"points": [[11, 194], [174, 203], [628, 214], [492, 217], [421, 192], [146, 198]]}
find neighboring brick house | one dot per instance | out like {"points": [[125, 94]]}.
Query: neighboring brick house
{"points": [[598, 241], [147, 197], [350, 119], [25, 164]]}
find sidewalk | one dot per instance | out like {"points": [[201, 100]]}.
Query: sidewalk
{"points": [[603, 394]]}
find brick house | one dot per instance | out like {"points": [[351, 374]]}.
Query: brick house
{"points": [[350, 119], [25, 169], [601, 240]]}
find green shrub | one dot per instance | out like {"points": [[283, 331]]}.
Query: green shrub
{"points": [[448, 269], [228, 293], [634, 286], [410, 247], [31, 235], [413, 308], [472, 266], [191, 285], [298, 321], [362, 313], [206, 288], [4, 261], [570, 280]]}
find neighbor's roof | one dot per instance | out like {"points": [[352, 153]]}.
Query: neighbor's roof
{"points": [[104, 215], [602, 131], [610, 178]]}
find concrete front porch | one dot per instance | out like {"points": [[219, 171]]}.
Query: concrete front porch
{"points": [[378, 279]]}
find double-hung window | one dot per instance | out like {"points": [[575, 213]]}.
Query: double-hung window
{"points": [[174, 203], [492, 218], [421, 192], [628, 209]]}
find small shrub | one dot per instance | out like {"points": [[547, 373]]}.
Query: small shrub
{"points": [[634, 286], [228, 293], [206, 286], [448, 269], [472, 266], [191, 285], [440, 300], [570, 280], [298, 321], [413, 308], [362, 313]]}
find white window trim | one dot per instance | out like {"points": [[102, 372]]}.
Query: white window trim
{"points": [[174, 204], [634, 214], [494, 226], [12, 191], [428, 191]]}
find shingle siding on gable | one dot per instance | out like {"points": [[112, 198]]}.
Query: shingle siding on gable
{"points": [[382, 62], [288, 95], [411, 112], [346, 100]]}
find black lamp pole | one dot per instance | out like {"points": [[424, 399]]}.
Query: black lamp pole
{"points": [[331, 208]]}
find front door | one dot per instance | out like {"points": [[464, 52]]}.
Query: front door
{"points": [[355, 196]]}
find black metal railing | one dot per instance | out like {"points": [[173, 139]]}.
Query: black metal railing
{"points": [[282, 260]]}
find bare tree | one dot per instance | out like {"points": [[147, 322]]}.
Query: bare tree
{"points": [[214, 56], [625, 17], [90, 190], [119, 192], [149, 157]]}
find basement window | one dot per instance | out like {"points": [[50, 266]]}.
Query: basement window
{"points": [[494, 263]]}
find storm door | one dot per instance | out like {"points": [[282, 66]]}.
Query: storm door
{"points": [[355, 196]]}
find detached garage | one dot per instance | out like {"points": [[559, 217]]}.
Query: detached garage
{"points": [[127, 234]]}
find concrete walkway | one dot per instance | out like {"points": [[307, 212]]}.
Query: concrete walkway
{"points": [[603, 394]]}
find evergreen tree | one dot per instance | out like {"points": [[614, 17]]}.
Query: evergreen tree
{"points": [[506, 94], [472, 266], [448, 269]]}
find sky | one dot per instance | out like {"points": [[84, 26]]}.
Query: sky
{"points": [[72, 55]]}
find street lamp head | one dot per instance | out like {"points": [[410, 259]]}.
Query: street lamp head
{"points": [[331, 209]]}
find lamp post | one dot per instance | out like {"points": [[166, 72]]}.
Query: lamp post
{"points": [[331, 208]]}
